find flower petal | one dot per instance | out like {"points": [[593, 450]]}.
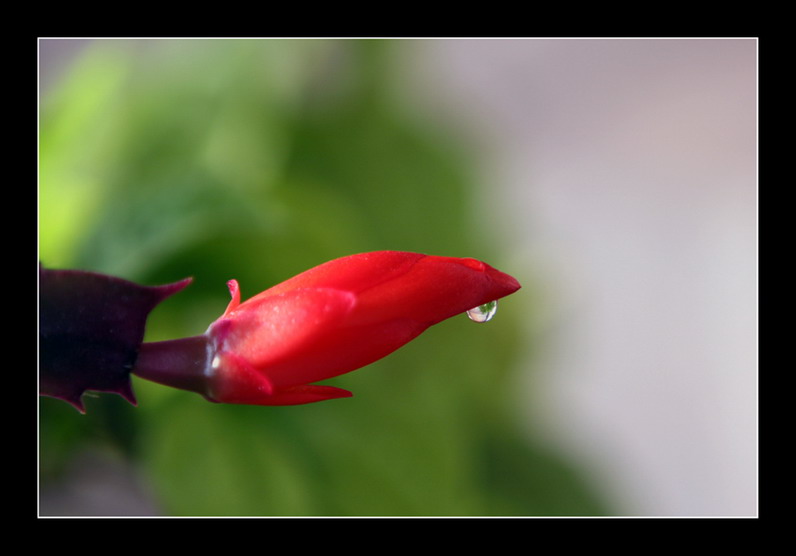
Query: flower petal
{"points": [[310, 393], [269, 331]]}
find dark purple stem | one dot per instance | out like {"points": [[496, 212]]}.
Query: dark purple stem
{"points": [[181, 363]]}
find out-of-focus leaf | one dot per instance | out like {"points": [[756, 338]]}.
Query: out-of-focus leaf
{"points": [[217, 460], [77, 152], [553, 488]]}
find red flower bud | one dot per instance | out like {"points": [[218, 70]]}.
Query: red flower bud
{"points": [[335, 318]]}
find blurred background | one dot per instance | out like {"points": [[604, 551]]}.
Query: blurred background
{"points": [[615, 178]]}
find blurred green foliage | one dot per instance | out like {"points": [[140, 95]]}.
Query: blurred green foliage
{"points": [[255, 160]]}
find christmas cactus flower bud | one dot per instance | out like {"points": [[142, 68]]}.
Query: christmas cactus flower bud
{"points": [[329, 320]]}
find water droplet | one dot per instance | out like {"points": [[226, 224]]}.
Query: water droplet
{"points": [[483, 313]]}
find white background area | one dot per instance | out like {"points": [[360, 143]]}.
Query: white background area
{"points": [[622, 172]]}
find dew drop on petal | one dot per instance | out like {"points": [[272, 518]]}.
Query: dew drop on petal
{"points": [[483, 313]]}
